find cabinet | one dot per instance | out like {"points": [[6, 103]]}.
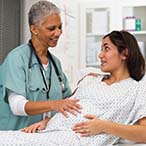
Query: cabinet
{"points": [[136, 9], [100, 17]]}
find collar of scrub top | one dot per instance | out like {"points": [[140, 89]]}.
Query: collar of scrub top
{"points": [[32, 51]]}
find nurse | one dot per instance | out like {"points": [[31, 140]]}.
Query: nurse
{"points": [[32, 80]]}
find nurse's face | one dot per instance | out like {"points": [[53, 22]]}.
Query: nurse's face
{"points": [[111, 60], [49, 30]]}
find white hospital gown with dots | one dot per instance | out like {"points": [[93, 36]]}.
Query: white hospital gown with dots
{"points": [[120, 102]]}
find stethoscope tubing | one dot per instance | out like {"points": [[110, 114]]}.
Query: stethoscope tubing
{"points": [[47, 86]]}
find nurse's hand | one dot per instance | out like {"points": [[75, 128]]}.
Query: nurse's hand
{"points": [[66, 105], [36, 127]]}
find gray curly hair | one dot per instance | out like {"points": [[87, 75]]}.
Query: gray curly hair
{"points": [[41, 9]]}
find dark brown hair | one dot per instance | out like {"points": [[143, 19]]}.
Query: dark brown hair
{"points": [[135, 60]]}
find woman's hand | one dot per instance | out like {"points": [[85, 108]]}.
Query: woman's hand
{"points": [[37, 126], [92, 127], [66, 105]]}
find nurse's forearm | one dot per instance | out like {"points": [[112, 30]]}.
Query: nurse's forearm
{"points": [[38, 107], [63, 106]]}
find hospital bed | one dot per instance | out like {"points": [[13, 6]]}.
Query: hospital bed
{"points": [[5, 137], [10, 138]]}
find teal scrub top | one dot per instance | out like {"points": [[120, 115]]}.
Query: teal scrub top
{"points": [[16, 76]]}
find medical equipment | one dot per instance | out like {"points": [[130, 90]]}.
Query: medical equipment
{"points": [[47, 86]]}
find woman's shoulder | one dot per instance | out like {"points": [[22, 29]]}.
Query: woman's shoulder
{"points": [[18, 54], [20, 51], [55, 58], [142, 85], [56, 61], [143, 80]]}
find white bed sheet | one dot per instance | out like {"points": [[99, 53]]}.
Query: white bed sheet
{"points": [[66, 137], [17, 138]]}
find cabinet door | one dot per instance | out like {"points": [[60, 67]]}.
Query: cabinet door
{"points": [[98, 18], [95, 21], [137, 10]]}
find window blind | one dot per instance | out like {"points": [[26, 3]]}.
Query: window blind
{"points": [[9, 26]]}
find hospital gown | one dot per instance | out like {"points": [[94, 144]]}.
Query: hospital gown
{"points": [[120, 102]]}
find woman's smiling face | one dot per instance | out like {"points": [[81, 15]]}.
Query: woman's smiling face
{"points": [[49, 30]]}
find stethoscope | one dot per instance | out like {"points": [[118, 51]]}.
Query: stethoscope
{"points": [[42, 70]]}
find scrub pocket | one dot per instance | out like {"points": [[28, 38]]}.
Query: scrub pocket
{"points": [[36, 92]]}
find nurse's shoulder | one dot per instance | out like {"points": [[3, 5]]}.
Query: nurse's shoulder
{"points": [[18, 55], [20, 51]]}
